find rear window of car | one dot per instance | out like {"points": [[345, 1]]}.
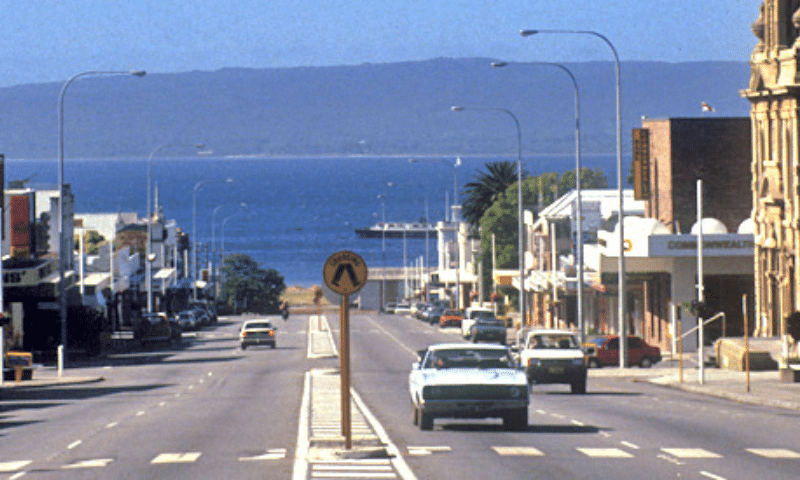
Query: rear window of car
{"points": [[490, 321], [257, 325], [552, 341]]}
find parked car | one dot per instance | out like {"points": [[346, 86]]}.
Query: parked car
{"points": [[257, 332], [450, 318], [607, 352], [389, 307], [554, 356], [489, 329], [187, 319], [470, 315], [206, 307], [402, 309], [157, 327], [434, 315], [202, 317], [460, 380]]}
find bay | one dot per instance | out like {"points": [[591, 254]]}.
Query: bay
{"points": [[299, 209]]}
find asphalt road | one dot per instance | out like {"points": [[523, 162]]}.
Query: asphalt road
{"points": [[210, 410]]}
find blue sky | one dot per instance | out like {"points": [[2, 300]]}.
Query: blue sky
{"points": [[51, 40]]}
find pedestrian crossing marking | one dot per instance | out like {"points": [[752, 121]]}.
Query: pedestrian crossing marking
{"points": [[176, 457], [774, 452], [14, 465], [271, 454], [520, 451], [605, 453], [690, 453], [421, 451], [352, 469], [94, 463]]}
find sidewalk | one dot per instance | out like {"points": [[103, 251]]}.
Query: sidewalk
{"points": [[47, 376], [766, 388]]}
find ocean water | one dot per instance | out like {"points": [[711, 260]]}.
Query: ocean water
{"points": [[299, 210]]}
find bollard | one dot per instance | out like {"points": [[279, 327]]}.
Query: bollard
{"points": [[60, 360]]}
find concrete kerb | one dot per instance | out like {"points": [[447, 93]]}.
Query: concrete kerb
{"points": [[765, 387]]}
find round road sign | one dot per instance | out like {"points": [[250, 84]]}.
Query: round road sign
{"points": [[345, 272]]}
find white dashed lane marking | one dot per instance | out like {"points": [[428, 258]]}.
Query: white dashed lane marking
{"points": [[690, 453], [774, 452], [13, 466], [93, 463], [605, 453], [176, 458]]}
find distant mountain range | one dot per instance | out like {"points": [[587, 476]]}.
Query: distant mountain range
{"points": [[385, 109]]}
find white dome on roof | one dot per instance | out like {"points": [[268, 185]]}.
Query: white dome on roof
{"points": [[711, 226], [747, 227]]}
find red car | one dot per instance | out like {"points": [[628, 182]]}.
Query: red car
{"points": [[607, 352], [450, 318]]}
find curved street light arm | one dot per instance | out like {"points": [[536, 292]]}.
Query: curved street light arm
{"points": [[621, 258]]}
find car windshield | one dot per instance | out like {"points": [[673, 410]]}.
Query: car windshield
{"points": [[490, 321], [469, 358], [552, 340], [257, 325]]}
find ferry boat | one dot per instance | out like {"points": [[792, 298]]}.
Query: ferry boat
{"points": [[397, 230]]}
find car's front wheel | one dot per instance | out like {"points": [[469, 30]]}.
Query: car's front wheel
{"points": [[425, 421], [646, 363], [244, 347], [415, 414], [594, 363], [578, 387]]}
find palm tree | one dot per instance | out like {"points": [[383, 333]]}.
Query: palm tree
{"points": [[486, 189]]}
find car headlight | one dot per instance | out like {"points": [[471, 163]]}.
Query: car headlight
{"points": [[534, 362], [577, 361]]}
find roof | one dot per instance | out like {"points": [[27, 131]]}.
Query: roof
{"points": [[466, 346], [608, 198]]}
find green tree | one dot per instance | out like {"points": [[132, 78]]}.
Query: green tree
{"points": [[91, 241], [247, 286], [486, 189], [501, 219]]}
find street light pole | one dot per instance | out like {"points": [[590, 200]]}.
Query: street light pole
{"points": [[623, 337], [521, 223], [194, 275], [579, 207], [148, 259], [382, 198], [62, 243]]}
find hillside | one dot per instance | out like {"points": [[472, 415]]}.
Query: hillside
{"points": [[398, 108]]}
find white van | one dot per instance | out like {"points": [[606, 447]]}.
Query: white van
{"points": [[470, 314]]}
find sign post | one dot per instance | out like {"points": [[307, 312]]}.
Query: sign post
{"points": [[345, 273]]}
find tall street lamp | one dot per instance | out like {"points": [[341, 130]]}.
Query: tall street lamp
{"points": [[623, 343], [148, 257], [197, 186], [579, 208], [242, 206], [382, 198], [62, 243], [456, 163], [213, 239], [521, 224]]}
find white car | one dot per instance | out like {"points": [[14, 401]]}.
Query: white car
{"points": [[402, 308], [470, 315], [461, 380], [258, 332]]}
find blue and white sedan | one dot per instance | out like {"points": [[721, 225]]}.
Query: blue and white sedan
{"points": [[459, 380]]}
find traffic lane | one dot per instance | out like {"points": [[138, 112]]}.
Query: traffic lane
{"points": [[41, 422], [382, 350], [226, 418], [382, 355], [692, 431]]}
